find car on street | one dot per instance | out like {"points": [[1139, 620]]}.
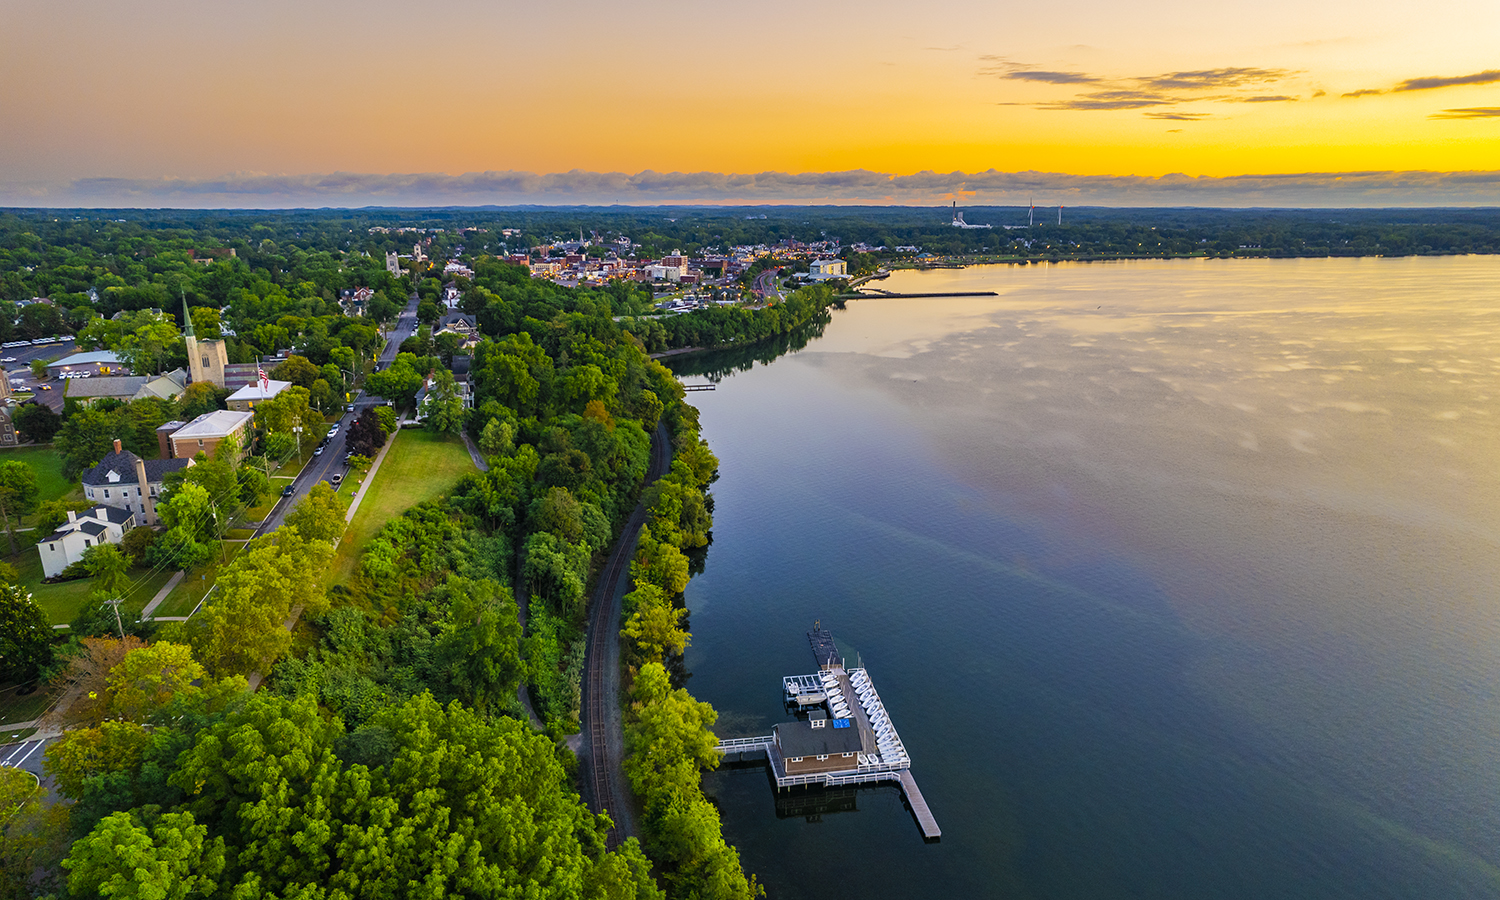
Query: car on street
{"points": [[289, 490], [45, 387], [7, 359], [318, 451], [338, 477], [349, 407]]}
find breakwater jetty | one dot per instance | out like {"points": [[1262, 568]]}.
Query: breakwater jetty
{"points": [[872, 293]]}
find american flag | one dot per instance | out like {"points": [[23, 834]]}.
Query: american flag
{"points": [[265, 383]]}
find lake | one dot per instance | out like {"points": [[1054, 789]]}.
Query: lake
{"points": [[1178, 578]]}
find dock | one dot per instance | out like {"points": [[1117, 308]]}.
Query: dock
{"points": [[918, 804], [846, 699]]}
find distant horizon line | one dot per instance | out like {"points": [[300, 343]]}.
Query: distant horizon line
{"points": [[852, 188], [735, 206]]}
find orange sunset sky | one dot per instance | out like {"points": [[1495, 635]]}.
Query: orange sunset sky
{"points": [[157, 96]]}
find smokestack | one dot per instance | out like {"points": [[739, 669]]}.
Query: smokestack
{"points": [[117, 445]]}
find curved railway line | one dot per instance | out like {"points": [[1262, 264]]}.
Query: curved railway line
{"points": [[601, 726]]}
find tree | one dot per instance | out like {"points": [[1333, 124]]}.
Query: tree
{"points": [[299, 370], [85, 753], [242, 626], [84, 439], [199, 398], [147, 339], [387, 418], [322, 397], [279, 445], [39, 369], [481, 641], [123, 858], [149, 678], [254, 485], [497, 438], [108, 567], [189, 507], [366, 434], [398, 382], [422, 799], [18, 493], [88, 671], [444, 405], [654, 625], [381, 308], [319, 516], [25, 635], [137, 543], [289, 409], [36, 422]]}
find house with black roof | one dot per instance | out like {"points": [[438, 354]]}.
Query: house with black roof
{"points": [[819, 744], [66, 545], [125, 481]]}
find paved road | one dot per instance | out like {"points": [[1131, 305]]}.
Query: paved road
{"points": [[602, 727], [765, 284], [28, 755], [331, 461]]}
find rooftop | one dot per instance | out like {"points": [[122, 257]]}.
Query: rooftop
{"points": [[253, 391], [216, 424], [85, 359], [106, 386], [123, 465], [802, 739]]}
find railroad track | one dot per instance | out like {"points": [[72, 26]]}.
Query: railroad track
{"points": [[599, 663]]}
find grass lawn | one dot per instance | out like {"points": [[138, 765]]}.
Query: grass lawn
{"points": [[419, 467], [18, 707], [195, 584], [47, 464], [61, 602]]}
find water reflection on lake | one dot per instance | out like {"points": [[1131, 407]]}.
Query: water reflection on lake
{"points": [[1178, 578]]}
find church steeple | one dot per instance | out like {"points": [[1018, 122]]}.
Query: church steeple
{"points": [[187, 318]]}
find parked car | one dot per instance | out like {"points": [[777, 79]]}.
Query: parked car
{"points": [[318, 451], [7, 359], [349, 407], [289, 490], [338, 477]]}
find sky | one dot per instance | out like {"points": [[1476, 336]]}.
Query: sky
{"points": [[274, 103]]}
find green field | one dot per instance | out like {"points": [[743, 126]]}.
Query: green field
{"points": [[61, 602], [47, 464], [417, 468]]}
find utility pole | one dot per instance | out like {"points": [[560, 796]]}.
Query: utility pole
{"points": [[115, 605]]}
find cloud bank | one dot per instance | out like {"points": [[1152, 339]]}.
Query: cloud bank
{"points": [[859, 186]]}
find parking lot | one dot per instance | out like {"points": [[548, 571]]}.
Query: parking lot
{"points": [[17, 362]]}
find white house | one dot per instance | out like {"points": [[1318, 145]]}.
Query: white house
{"points": [[66, 545], [824, 269]]}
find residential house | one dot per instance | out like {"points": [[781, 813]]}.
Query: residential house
{"points": [[125, 481], [66, 545]]}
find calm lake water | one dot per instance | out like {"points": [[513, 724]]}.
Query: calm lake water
{"points": [[1179, 579]]}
